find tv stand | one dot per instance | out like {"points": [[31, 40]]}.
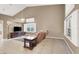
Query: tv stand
{"points": [[16, 34]]}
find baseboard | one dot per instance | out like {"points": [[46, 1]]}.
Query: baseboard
{"points": [[64, 40], [69, 47], [54, 37], [71, 41]]}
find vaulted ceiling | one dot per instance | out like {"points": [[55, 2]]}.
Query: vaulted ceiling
{"points": [[13, 9]]}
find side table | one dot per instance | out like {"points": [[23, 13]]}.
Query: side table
{"points": [[32, 43]]}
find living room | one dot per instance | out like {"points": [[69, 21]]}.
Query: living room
{"points": [[31, 20], [39, 29], [41, 17]]}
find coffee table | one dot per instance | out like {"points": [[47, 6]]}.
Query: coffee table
{"points": [[30, 42]]}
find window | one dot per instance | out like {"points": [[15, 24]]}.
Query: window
{"points": [[30, 25], [68, 22], [68, 26]]}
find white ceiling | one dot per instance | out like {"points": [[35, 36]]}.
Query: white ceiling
{"points": [[12, 9]]}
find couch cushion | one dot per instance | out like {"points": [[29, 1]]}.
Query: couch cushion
{"points": [[41, 36]]}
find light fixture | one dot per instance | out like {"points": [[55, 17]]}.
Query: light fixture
{"points": [[22, 20], [9, 22]]}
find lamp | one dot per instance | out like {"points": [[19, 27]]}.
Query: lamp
{"points": [[9, 22]]}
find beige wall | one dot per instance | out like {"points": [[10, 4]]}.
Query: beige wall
{"points": [[49, 18]]}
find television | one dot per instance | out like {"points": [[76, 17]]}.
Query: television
{"points": [[17, 29]]}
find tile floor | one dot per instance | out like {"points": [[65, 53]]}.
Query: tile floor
{"points": [[47, 46]]}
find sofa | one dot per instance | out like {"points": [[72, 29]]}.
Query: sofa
{"points": [[40, 36]]}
